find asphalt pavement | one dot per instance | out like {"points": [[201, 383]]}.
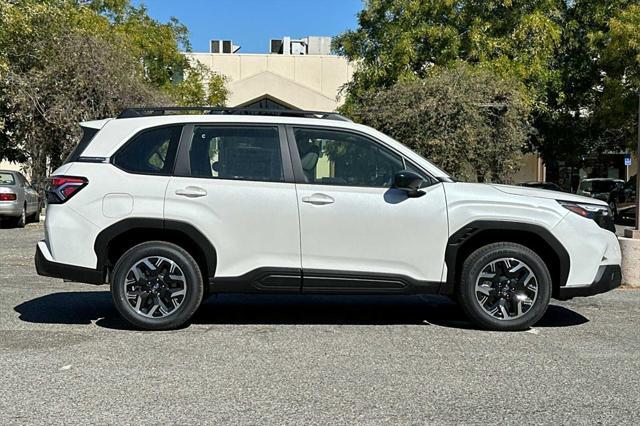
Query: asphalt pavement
{"points": [[66, 357]]}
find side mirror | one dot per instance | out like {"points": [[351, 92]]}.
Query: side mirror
{"points": [[409, 182]]}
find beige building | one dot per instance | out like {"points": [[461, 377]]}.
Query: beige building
{"points": [[296, 77]]}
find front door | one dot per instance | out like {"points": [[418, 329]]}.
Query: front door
{"points": [[357, 233], [235, 186]]}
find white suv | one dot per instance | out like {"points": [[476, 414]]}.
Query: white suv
{"points": [[169, 208]]}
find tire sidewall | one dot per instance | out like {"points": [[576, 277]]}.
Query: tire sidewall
{"points": [[21, 221], [478, 261], [193, 278]]}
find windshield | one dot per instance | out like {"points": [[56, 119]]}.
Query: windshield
{"points": [[7, 179]]}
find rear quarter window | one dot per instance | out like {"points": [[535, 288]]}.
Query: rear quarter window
{"points": [[88, 134], [152, 151]]}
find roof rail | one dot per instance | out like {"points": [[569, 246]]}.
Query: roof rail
{"points": [[156, 111]]}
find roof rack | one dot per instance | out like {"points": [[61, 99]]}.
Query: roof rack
{"points": [[156, 111]]}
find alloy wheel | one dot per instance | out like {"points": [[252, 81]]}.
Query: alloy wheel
{"points": [[506, 288], [155, 287]]}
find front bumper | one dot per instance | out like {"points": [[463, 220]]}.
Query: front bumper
{"points": [[607, 278], [48, 268]]}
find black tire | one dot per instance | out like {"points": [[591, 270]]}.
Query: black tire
{"points": [[193, 281], [35, 218], [21, 221], [478, 261]]}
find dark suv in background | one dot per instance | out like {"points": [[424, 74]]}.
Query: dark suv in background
{"points": [[605, 189]]}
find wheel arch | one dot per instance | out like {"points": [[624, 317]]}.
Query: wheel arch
{"points": [[113, 241], [479, 233]]}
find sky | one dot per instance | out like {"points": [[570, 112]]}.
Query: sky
{"points": [[252, 23]]}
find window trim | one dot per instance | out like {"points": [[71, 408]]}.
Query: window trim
{"points": [[297, 163], [183, 163], [112, 157]]}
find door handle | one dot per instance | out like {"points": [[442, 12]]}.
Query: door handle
{"points": [[191, 192], [318, 199]]}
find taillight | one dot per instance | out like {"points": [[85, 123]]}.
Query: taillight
{"points": [[8, 197], [60, 188]]}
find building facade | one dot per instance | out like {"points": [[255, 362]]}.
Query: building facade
{"points": [[293, 76]]}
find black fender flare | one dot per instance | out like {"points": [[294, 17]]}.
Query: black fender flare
{"points": [[107, 235], [467, 232]]}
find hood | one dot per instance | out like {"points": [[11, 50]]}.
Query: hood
{"points": [[545, 193]]}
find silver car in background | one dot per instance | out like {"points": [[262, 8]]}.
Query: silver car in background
{"points": [[19, 201]]}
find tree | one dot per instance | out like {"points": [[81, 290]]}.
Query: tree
{"points": [[400, 40], [200, 86], [62, 61], [578, 60], [593, 109], [464, 119], [46, 103]]}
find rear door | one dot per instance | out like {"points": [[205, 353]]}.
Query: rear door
{"points": [[30, 195], [357, 233], [234, 183]]}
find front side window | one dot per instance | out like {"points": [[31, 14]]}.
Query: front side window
{"points": [[236, 152], [150, 152], [333, 157]]}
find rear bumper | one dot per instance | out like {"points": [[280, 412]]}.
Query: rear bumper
{"points": [[607, 278], [10, 208], [48, 268]]}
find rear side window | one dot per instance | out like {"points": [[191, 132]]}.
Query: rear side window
{"points": [[7, 179], [87, 136], [236, 152], [152, 151]]}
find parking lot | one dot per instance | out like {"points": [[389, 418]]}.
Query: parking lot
{"points": [[66, 357]]}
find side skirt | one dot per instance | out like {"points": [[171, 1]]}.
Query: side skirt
{"points": [[292, 281]]}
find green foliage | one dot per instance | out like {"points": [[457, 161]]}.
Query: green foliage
{"points": [[464, 119], [200, 87], [63, 61], [400, 40], [579, 61], [44, 104]]}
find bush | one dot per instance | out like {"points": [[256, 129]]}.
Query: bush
{"points": [[467, 121]]}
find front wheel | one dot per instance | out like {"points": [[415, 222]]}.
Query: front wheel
{"points": [[504, 286], [35, 217], [157, 286]]}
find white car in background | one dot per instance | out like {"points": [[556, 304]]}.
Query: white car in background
{"points": [[169, 208]]}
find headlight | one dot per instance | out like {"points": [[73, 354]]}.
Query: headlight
{"points": [[600, 214]]}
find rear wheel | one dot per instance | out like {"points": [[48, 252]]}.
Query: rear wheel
{"points": [[21, 221], [504, 286], [157, 286]]}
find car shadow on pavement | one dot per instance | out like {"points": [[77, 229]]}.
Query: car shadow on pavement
{"points": [[84, 308]]}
